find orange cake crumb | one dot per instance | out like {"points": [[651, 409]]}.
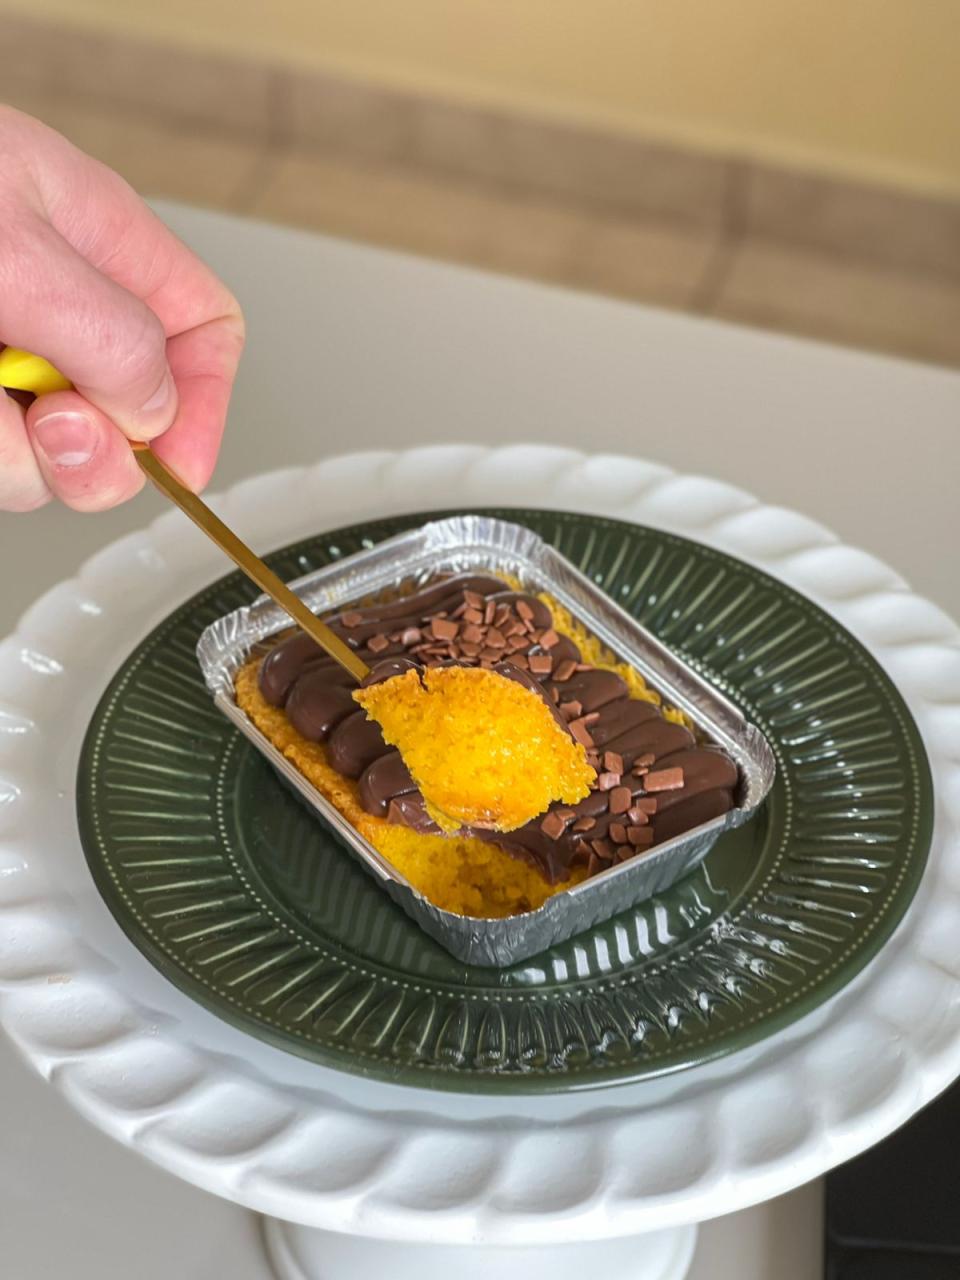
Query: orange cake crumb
{"points": [[484, 750]]}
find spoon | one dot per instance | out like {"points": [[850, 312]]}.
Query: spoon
{"points": [[568, 773], [21, 371]]}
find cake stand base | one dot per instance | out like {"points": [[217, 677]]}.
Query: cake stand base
{"points": [[303, 1253]]}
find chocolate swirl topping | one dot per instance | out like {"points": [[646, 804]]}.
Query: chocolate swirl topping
{"points": [[654, 780]]}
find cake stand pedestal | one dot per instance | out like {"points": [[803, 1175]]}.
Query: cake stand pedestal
{"points": [[300, 1253], [356, 1177]]}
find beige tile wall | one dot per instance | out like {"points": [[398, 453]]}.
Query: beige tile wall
{"points": [[795, 251]]}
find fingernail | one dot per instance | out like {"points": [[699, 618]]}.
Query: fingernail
{"points": [[164, 398], [66, 439]]}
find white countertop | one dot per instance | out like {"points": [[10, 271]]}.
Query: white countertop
{"points": [[350, 346]]}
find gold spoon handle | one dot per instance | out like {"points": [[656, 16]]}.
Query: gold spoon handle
{"points": [[244, 558]]}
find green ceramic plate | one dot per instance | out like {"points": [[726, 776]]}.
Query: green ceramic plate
{"points": [[245, 901]]}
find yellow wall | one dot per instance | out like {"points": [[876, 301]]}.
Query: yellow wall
{"points": [[868, 87]]}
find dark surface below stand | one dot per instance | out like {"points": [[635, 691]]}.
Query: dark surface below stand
{"points": [[894, 1213]]}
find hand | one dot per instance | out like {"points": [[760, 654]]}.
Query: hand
{"points": [[94, 282]]}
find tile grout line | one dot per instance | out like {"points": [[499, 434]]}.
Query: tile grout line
{"points": [[733, 230], [273, 148]]}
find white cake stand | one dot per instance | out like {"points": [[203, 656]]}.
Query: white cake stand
{"points": [[357, 1178]]}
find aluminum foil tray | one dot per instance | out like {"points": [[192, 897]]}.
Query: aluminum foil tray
{"points": [[481, 544]]}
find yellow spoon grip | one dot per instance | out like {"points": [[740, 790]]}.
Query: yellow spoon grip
{"points": [[21, 371]]}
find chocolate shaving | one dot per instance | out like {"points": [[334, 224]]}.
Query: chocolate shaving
{"points": [[613, 762], [619, 801], [351, 618], [584, 824], [553, 826], [640, 835], [444, 629], [565, 670], [524, 610], [377, 643], [618, 833], [541, 664], [607, 781], [664, 780], [549, 639]]}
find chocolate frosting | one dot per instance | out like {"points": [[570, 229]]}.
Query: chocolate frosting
{"points": [[674, 783]]}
